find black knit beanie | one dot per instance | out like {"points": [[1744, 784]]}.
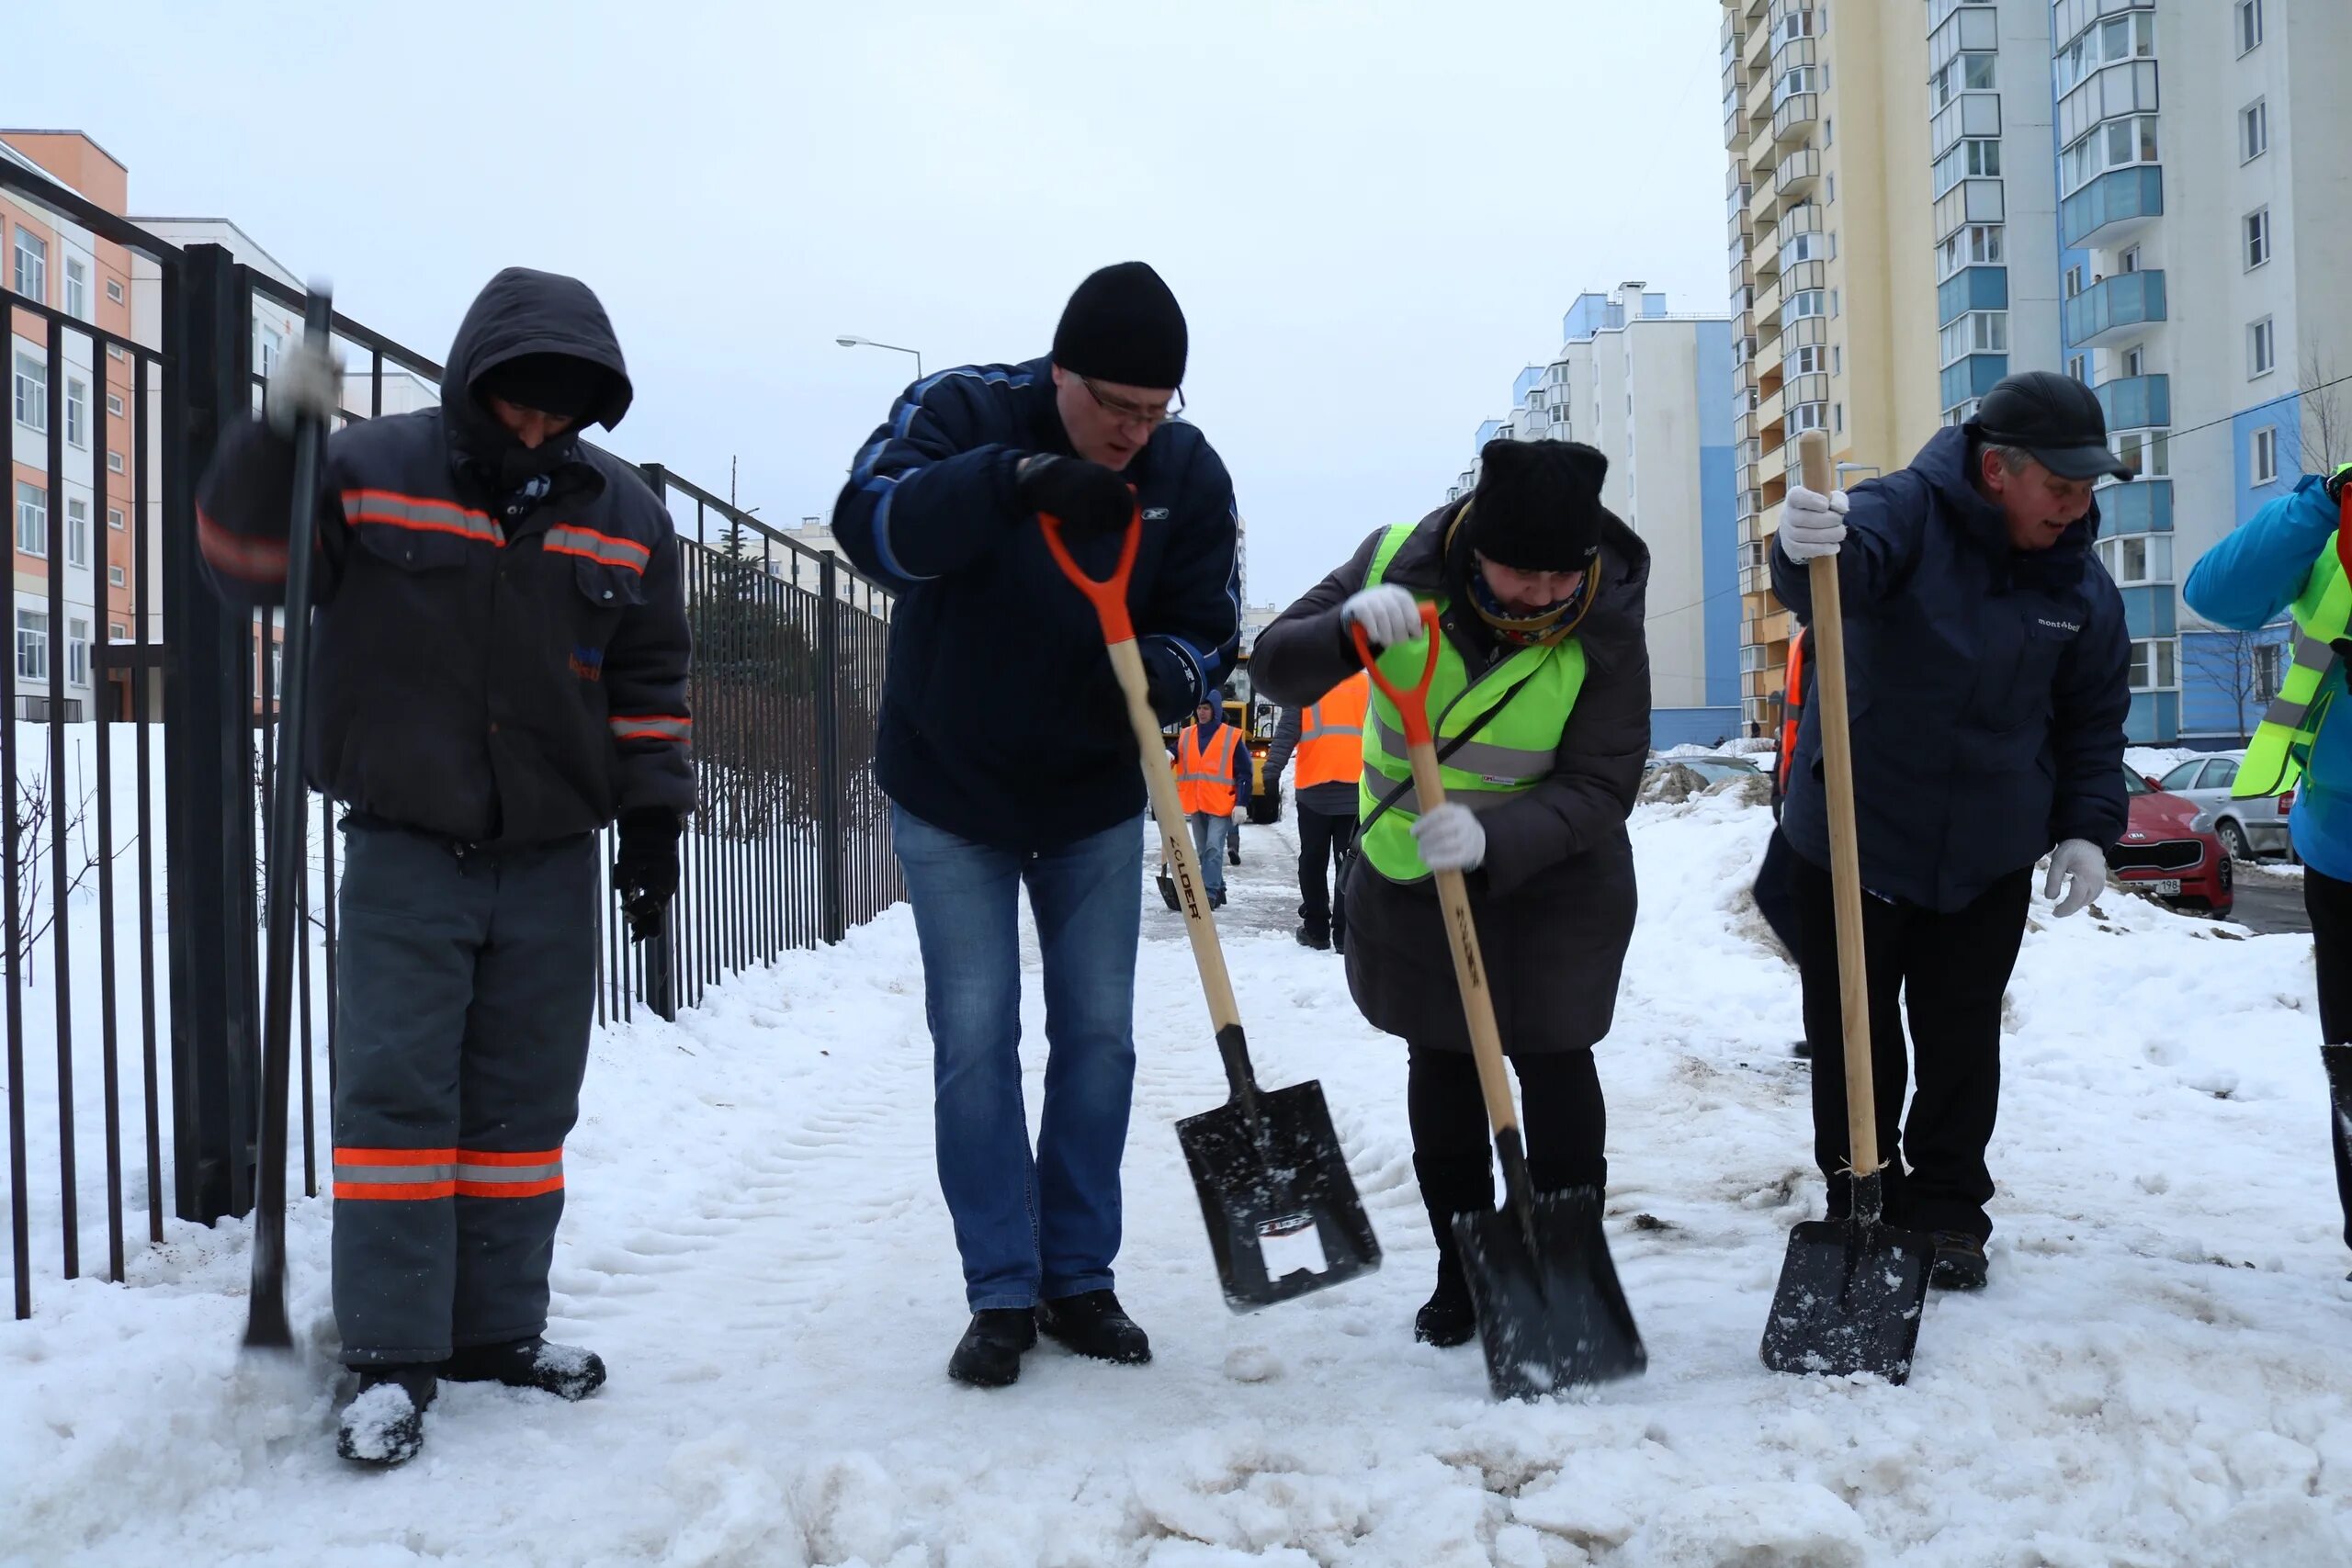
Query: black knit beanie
{"points": [[1122, 325], [559, 384], [1537, 505]]}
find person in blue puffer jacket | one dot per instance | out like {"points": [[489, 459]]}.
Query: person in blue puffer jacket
{"points": [[2288, 558]]}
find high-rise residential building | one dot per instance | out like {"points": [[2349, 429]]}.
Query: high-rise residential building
{"points": [[2205, 216], [1651, 390]]}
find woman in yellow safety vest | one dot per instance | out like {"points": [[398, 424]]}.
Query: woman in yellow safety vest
{"points": [[1541, 706], [2290, 560]]}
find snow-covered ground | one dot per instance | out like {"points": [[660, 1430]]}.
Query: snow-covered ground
{"points": [[2159, 1373]]}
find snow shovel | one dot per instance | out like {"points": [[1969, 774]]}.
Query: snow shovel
{"points": [[1551, 1313], [266, 1327], [1283, 1213], [1852, 1290]]}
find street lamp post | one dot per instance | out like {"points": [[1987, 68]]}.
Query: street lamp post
{"points": [[869, 343]]}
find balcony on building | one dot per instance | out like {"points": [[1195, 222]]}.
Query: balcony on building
{"points": [[2113, 208], [1970, 377], [1796, 117], [2142, 506], [1969, 116], [1797, 173], [1974, 200], [1971, 289], [2135, 401], [2109, 309]]}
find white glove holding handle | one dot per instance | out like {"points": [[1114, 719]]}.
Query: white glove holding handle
{"points": [[307, 382], [1387, 613], [1812, 525]]}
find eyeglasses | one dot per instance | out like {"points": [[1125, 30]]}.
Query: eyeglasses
{"points": [[1126, 412]]}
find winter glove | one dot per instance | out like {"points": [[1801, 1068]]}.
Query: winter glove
{"points": [[1814, 524], [1171, 683], [2335, 485], [1087, 497], [308, 382], [645, 873], [1451, 838], [2086, 864], [1387, 613]]}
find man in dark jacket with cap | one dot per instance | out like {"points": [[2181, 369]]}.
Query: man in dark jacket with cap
{"points": [[1987, 663], [1544, 686], [943, 502], [499, 670]]}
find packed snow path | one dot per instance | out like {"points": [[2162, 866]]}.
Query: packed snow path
{"points": [[756, 1244]]}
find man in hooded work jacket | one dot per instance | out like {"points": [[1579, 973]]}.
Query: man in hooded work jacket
{"points": [[1213, 775], [1541, 706], [499, 670]]}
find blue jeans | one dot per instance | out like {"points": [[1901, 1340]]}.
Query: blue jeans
{"points": [[1042, 1226], [1208, 841]]}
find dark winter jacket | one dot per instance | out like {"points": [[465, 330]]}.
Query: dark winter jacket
{"points": [[930, 509], [1335, 798], [1987, 687], [500, 649], [1554, 899]]}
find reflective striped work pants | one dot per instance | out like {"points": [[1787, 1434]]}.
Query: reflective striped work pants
{"points": [[467, 987]]}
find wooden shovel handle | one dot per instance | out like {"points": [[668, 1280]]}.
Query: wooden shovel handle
{"points": [[1828, 657], [1452, 893]]}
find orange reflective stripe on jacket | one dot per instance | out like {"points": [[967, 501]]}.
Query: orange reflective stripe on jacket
{"points": [[1792, 707], [394, 1174], [1331, 734], [1204, 779]]}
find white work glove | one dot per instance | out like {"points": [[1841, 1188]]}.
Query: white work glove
{"points": [[307, 380], [1451, 838], [2086, 863], [1387, 613], [1812, 525]]}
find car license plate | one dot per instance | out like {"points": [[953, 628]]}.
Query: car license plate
{"points": [[2168, 888]]}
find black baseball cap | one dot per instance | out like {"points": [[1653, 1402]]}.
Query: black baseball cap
{"points": [[2056, 418]]}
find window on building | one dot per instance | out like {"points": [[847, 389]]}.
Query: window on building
{"points": [[2135, 359], [1837, 359], [77, 288], [1814, 246], [114, 576], [2074, 280], [113, 405], [113, 517], [1805, 304], [2117, 39], [114, 290], [31, 265], [114, 462], [2156, 665], [1961, 73], [1802, 79], [32, 393], [2119, 143], [2249, 24], [272, 346], [2128, 262], [2262, 348], [1977, 331], [1838, 420], [33, 645], [1829, 187], [1828, 131], [78, 412], [2078, 366], [77, 653], [2136, 558], [2254, 131], [1809, 360], [1978, 244], [2270, 671], [77, 532], [117, 632], [32, 519], [2147, 453], [1971, 158], [1808, 416], [2262, 455], [2257, 234]]}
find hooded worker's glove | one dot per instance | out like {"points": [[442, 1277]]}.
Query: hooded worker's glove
{"points": [[1087, 498], [1387, 613], [1451, 838], [1812, 525], [2083, 862], [307, 383], [645, 872]]}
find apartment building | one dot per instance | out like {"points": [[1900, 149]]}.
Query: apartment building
{"points": [[1651, 389], [2205, 213]]}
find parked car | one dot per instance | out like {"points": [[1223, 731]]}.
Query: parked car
{"points": [[2170, 851], [1714, 770], [2246, 827]]}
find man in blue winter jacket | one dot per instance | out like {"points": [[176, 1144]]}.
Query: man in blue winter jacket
{"points": [[942, 503], [2289, 559], [1987, 670]]}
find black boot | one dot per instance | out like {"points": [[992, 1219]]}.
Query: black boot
{"points": [[989, 1356], [565, 1371], [385, 1424], [1960, 1262], [1094, 1324], [1315, 934], [1451, 1187]]}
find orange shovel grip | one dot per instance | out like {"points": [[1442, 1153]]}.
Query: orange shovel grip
{"points": [[1109, 596]]}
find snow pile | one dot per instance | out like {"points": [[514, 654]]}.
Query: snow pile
{"points": [[756, 1245]]}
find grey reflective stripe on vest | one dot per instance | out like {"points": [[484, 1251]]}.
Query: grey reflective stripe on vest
{"points": [[1507, 764], [1316, 729], [2310, 654], [1409, 802]]}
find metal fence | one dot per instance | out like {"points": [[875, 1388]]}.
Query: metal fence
{"points": [[111, 425]]}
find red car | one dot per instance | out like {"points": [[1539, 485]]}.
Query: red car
{"points": [[2169, 850]]}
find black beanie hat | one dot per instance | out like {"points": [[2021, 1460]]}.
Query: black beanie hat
{"points": [[1122, 325], [559, 384], [1537, 505]]}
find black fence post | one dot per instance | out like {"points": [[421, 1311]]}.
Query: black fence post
{"points": [[208, 764], [831, 803]]}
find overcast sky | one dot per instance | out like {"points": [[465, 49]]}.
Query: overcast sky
{"points": [[1374, 213]]}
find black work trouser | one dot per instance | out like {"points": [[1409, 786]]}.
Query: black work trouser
{"points": [[1564, 1123], [1949, 972], [1326, 839], [2330, 906]]}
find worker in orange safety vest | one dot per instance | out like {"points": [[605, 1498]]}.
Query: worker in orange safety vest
{"points": [[1324, 741], [1213, 774]]}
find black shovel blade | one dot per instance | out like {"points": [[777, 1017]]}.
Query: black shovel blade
{"points": [[1282, 1209], [1554, 1317], [1850, 1298], [1168, 890]]}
